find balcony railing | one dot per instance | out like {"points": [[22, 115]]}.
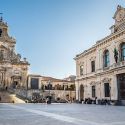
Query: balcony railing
{"points": [[119, 64]]}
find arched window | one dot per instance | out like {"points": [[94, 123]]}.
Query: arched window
{"points": [[123, 52], [106, 58]]}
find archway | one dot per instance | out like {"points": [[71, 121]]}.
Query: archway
{"points": [[16, 82], [121, 86]]}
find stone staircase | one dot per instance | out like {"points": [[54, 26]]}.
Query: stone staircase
{"points": [[9, 98]]}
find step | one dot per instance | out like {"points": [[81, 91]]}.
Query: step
{"points": [[9, 98]]}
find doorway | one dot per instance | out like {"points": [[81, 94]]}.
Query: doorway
{"points": [[15, 84], [121, 86], [81, 92]]}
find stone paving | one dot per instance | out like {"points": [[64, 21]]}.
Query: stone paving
{"points": [[61, 114]]}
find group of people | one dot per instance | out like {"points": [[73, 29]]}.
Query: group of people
{"points": [[96, 101]]}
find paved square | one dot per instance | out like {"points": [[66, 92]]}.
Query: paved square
{"points": [[61, 114]]}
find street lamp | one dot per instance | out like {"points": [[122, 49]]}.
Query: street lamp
{"points": [[49, 83], [65, 90], [49, 97], [110, 92]]}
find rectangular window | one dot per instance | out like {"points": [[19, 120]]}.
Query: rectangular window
{"points": [[81, 70], [34, 83], [107, 89], [93, 91], [93, 66]]}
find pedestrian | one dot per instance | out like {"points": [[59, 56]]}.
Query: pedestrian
{"points": [[96, 101], [47, 99], [0, 98]]}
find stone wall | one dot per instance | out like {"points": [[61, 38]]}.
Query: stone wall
{"points": [[62, 94]]}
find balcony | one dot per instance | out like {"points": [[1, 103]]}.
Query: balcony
{"points": [[118, 65], [111, 67]]}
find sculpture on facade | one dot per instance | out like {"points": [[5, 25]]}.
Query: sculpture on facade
{"points": [[115, 55]]}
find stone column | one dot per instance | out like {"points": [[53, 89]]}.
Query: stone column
{"points": [[77, 90], [100, 90], [115, 88], [97, 59], [39, 83], [29, 83]]}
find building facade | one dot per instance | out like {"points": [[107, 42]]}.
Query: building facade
{"points": [[13, 70], [100, 70], [49, 86]]}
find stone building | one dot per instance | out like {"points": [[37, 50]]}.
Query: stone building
{"points": [[100, 70], [45, 86], [13, 70]]}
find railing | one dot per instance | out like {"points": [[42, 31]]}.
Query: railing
{"points": [[21, 92], [11, 90], [119, 64]]}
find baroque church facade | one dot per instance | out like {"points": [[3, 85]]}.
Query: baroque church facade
{"points": [[100, 70], [13, 70]]}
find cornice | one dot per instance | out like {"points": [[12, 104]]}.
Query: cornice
{"points": [[102, 72], [105, 40], [20, 63]]}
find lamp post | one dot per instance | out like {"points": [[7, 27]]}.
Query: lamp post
{"points": [[65, 88], [49, 97], [42, 89], [49, 83], [110, 92]]}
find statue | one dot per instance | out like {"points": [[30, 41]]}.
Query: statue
{"points": [[115, 55]]}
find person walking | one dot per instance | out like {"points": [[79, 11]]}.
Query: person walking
{"points": [[96, 101]]}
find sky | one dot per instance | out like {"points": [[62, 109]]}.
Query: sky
{"points": [[50, 33]]}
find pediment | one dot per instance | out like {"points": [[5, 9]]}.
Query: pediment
{"points": [[92, 83], [106, 80]]}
